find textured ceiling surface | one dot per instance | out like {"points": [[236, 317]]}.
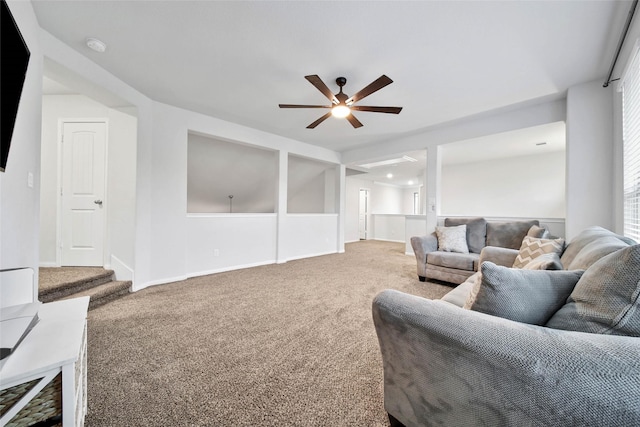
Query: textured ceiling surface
{"points": [[237, 60]]}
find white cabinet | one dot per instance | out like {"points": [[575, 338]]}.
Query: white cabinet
{"points": [[56, 345]]}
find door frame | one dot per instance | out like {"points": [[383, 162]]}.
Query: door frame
{"points": [[367, 216], [106, 241]]}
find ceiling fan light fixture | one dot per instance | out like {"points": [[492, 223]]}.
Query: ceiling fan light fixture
{"points": [[340, 111]]}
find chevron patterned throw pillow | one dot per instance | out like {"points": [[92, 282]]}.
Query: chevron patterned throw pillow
{"points": [[532, 247]]}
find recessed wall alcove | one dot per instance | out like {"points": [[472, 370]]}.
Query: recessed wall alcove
{"points": [[311, 186], [217, 169]]}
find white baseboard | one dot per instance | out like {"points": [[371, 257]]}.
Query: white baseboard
{"points": [[137, 287], [389, 240], [121, 270], [49, 264], [224, 269], [311, 255]]}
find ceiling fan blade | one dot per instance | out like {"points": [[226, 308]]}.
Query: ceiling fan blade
{"points": [[392, 110], [354, 122], [320, 120], [378, 84], [319, 84], [302, 106]]}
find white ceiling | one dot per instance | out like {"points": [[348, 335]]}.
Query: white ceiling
{"points": [[237, 60]]}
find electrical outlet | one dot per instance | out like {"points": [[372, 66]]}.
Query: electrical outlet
{"points": [[216, 252]]}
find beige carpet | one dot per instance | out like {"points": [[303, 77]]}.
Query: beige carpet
{"points": [[280, 345], [51, 278]]}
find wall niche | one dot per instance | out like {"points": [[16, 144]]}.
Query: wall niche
{"points": [[312, 186], [218, 169]]}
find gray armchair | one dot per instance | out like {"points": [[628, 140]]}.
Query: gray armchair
{"points": [[453, 367]]}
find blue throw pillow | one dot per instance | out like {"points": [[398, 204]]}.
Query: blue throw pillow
{"points": [[527, 296]]}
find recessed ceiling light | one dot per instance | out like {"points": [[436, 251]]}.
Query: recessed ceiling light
{"points": [[389, 175], [95, 44], [410, 182]]}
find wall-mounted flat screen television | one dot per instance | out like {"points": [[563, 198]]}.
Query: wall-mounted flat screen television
{"points": [[14, 59]]}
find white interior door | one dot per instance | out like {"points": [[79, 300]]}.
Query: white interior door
{"points": [[83, 191], [363, 214]]}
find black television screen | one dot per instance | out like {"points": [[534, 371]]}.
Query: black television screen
{"points": [[14, 59]]}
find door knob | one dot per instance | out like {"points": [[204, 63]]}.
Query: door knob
{"points": [[98, 202]]}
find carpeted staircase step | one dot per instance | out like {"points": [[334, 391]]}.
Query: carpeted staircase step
{"points": [[62, 286], [104, 293]]}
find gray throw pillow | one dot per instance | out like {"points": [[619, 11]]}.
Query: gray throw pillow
{"points": [[508, 234], [527, 296], [606, 299], [452, 239], [539, 232]]}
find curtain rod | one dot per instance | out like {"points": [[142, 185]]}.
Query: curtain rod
{"points": [[621, 42]]}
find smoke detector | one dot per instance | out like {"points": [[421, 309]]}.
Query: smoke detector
{"points": [[96, 45]]}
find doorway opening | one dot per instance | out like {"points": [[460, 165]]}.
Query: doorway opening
{"points": [[363, 222], [87, 175]]}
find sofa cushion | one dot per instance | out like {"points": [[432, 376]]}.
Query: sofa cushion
{"points": [[533, 247], [454, 260], [606, 299], [476, 231], [545, 262], [527, 296], [508, 234], [590, 245], [452, 239]]}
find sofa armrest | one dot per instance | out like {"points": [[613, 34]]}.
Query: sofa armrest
{"points": [[450, 366], [422, 245], [497, 255]]}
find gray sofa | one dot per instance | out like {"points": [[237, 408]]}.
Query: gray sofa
{"points": [[455, 267], [446, 365]]}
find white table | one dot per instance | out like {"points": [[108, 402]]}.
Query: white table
{"points": [[57, 344]]}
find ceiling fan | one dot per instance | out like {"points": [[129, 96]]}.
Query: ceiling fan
{"points": [[341, 104]]}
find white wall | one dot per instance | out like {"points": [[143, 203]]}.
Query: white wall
{"points": [[387, 199], [517, 187], [386, 202], [408, 199], [121, 161], [167, 244], [526, 186], [590, 157], [20, 203], [389, 227], [352, 206], [224, 242], [309, 235]]}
